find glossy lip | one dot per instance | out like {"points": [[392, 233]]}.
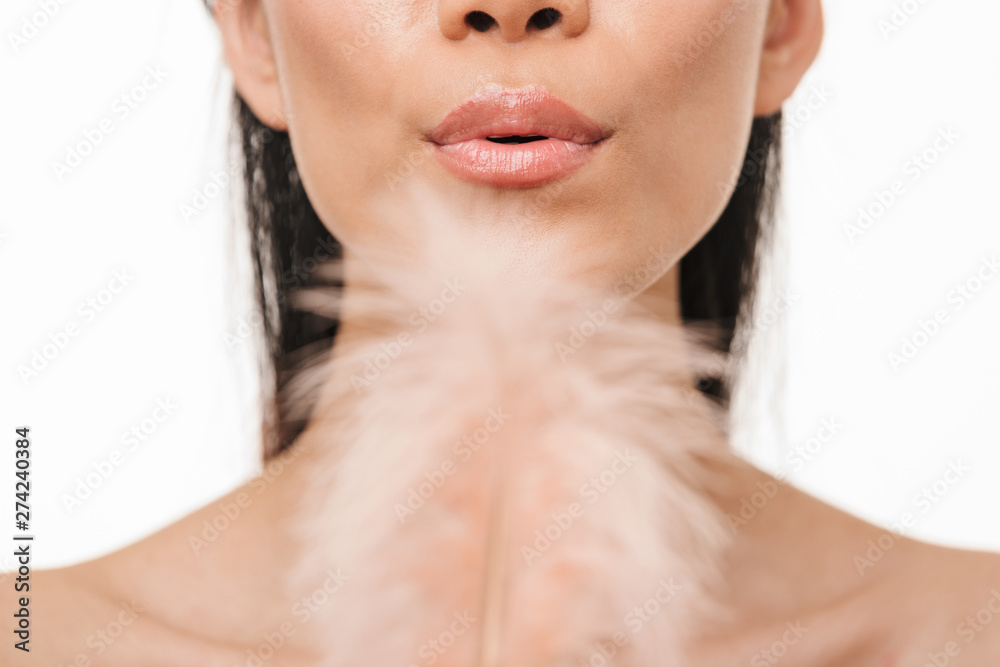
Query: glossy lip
{"points": [[461, 141]]}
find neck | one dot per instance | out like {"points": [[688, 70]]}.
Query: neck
{"points": [[235, 552]]}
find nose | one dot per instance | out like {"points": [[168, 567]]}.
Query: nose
{"points": [[513, 20]]}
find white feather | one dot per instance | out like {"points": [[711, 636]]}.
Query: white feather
{"points": [[514, 534]]}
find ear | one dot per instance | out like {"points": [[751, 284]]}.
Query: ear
{"points": [[247, 42], [792, 40]]}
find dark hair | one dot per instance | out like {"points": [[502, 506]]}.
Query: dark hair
{"points": [[717, 276]]}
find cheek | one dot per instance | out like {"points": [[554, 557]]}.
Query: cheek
{"points": [[347, 101], [680, 83], [675, 78], [691, 111]]}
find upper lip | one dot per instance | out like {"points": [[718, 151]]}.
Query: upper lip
{"points": [[524, 112]]}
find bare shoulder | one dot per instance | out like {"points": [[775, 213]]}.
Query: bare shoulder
{"points": [[56, 613], [156, 602], [814, 585]]}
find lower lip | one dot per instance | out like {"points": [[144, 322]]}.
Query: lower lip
{"points": [[514, 165]]}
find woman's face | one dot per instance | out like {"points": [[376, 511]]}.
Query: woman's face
{"points": [[666, 91]]}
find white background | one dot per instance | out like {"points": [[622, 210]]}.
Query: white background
{"points": [[881, 99]]}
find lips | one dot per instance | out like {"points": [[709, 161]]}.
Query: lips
{"points": [[515, 138]]}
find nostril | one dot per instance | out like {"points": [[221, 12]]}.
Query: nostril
{"points": [[479, 21], [544, 18]]}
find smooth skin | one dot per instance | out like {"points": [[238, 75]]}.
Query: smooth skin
{"points": [[358, 84]]}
